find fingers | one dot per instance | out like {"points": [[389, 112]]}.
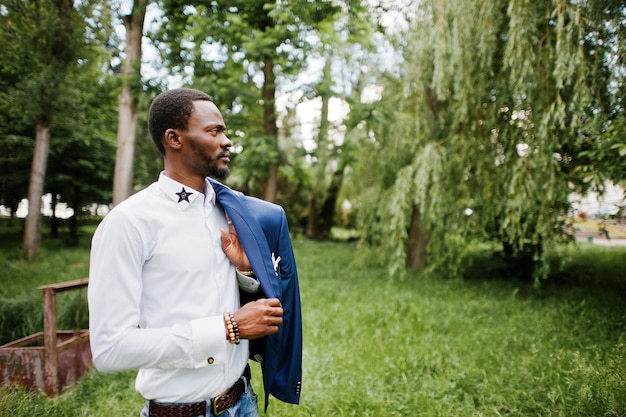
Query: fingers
{"points": [[274, 314], [231, 227], [272, 302], [259, 318], [228, 244], [232, 247], [274, 310]]}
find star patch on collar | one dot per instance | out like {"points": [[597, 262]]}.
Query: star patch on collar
{"points": [[183, 195]]}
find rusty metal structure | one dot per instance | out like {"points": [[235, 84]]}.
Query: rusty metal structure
{"points": [[52, 359]]}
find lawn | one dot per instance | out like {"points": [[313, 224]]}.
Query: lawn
{"points": [[424, 346]]}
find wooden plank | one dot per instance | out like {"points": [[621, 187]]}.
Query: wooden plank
{"points": [[19, 343], [51, 360], [67, 285]]}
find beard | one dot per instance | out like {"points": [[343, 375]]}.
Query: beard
{"points": [[218, 173], [209, 165]]}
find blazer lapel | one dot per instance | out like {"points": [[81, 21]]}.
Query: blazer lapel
{"points": [[251, 237]]}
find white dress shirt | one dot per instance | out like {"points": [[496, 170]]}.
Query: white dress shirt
{"points": [[159, 284]]}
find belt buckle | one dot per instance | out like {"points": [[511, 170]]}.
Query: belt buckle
{"points": [[214, 405]]}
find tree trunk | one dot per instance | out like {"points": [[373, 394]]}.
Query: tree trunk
{"points": [[316, 227], [32, 225], [73, 226], [54, 220], [271, 130], [418, 241], [312, 220], [127, 123], [319, 222], [58, 62], [327, 215]]}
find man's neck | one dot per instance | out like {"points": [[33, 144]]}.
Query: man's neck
{"points": [[191, 181]]}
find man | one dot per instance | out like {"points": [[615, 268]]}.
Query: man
{"points": [[165, 275]]}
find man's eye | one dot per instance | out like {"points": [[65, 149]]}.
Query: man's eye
{"points": [[215, 130]]}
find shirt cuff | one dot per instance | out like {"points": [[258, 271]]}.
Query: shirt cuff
{"points": [[209, 341], [247, 283]]}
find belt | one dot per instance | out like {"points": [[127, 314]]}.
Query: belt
{"points": [[219, 403]]}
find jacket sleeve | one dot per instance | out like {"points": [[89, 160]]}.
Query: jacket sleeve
{"points": [[288, 381], [263, 231], [282, 351]]}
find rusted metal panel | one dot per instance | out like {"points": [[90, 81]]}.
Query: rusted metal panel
{"points": [[52, 359], [74, 357], [22, 365]]}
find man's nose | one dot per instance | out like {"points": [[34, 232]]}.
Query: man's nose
{"points": [[225, 141]]}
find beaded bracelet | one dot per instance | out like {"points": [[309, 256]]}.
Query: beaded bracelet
{"points": [[229, 328], [233, 329]]}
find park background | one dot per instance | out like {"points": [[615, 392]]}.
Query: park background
{"points": [[433, 158]]}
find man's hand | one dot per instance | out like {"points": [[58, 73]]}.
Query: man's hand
{"points": [[233, 249], [259, 318]]}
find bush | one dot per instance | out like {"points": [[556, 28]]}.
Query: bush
{"points": [[20, 317]]}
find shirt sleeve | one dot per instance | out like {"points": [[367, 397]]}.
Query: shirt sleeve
{"points": [[114, 294]]}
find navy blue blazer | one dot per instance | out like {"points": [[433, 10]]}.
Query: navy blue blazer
{"points": [[264, 235]]}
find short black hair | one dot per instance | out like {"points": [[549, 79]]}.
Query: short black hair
{"points": [[171, 110]]}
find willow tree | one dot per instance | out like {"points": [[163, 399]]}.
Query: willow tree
{"points": [[483, 132]]}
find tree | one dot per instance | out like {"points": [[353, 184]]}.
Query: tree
{"points": [[481, 134], [41, 42], [239, 50], [349, 52], [81, 166], [128, 102]]}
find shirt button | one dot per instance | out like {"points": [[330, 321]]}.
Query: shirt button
{"points": [[210, 361]]}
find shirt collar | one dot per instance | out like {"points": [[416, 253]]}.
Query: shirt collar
{"points": [[209, 192], [184, 195]]}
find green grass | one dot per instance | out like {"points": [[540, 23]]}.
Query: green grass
{"points": [[21, 303], [424, 346], [55, 262]]}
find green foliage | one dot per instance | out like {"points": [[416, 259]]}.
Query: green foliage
{"points": [[41, 41], [80, 168], [517, 100], [14, 169], [604, 153], [53, 68], [428, 346], [242, 52]]}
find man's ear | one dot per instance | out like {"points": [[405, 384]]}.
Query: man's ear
{"points": [[171, 139]]}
